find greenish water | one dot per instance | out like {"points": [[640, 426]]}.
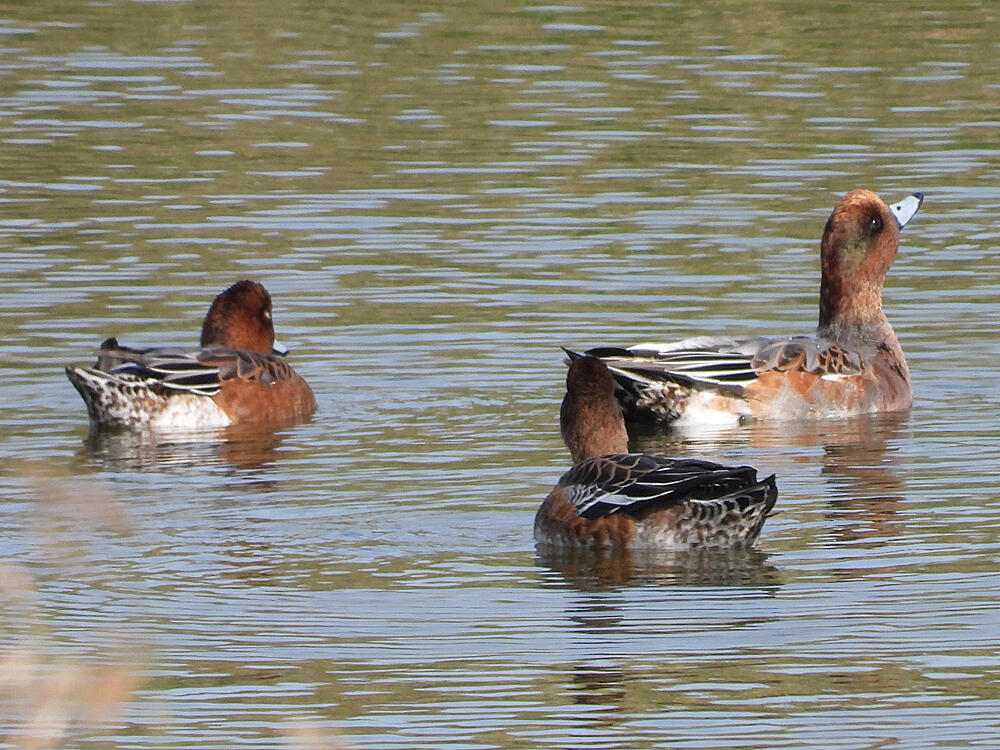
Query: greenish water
{"points": [[438, 197]]}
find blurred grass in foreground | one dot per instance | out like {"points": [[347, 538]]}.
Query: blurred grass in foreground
{"points": [[63, 683], [50, 693]]}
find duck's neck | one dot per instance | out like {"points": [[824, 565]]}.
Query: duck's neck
{"points": [[848, 309], [592, 425], [857, 321]]}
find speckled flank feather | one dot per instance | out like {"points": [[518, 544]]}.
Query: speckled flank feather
{"points": [[853, 365], [124, 399]]}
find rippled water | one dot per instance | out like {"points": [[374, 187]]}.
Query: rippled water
{"points": [[438, 199]]}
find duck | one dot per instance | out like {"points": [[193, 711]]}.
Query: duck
{"points": [[854, 364], [238, 376], [613, 499]]}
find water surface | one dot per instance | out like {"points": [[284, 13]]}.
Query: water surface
{"points": [[438, 199]]}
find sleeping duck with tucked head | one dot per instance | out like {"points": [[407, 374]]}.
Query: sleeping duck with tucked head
{"points": [[238, 376]]}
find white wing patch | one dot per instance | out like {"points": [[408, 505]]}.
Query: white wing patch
{"points": [[699, 365], [177, 373]]}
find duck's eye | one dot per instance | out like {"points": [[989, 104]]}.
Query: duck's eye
{"points": [[874, 226]]}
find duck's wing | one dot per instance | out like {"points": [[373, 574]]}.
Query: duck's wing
{"points": [[717, 364], [238, 364], [637, 484], [201, 373], [726, 365], [158, 368], [806, 354]]}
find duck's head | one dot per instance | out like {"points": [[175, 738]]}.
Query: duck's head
{"points": [[859, 243], [590, 419], [240, 318]]}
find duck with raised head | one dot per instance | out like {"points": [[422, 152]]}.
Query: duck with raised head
{"points": [[239, 375], [854, 363], [615, 499]]}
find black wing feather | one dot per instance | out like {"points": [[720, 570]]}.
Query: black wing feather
{"points": [[637, 483]]}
